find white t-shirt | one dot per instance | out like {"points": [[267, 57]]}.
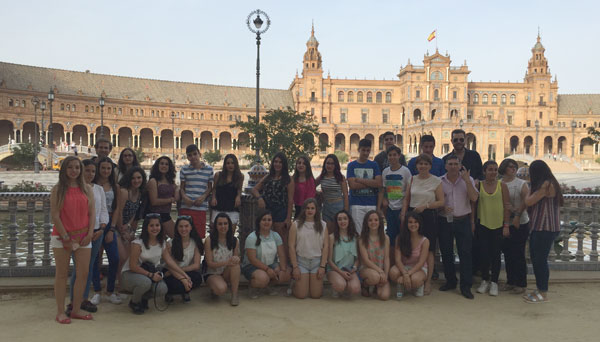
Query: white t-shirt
{"points": [[395, 184], [151, 255], [514, 190], [422, 191]]}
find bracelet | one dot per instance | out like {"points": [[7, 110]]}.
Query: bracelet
{"points": [[323, 267]]}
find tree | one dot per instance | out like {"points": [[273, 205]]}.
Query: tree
{"points": [[284, 131], [24, 154], [212, 157], [139, 154], [594, 138], [341, 156]]}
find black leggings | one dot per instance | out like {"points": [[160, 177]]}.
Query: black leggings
{"points": [[176, 287], [491, 249]]}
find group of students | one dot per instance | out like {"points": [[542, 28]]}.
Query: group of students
{"points": [[378, 224]]}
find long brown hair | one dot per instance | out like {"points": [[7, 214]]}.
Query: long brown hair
{"points": [[364, 234], [351, 230], [308, 173], [317, 219], [236, 176], [63, 181]]}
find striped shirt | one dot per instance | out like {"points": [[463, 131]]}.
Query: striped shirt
{"points": [[331, 189], [196, 183], [544, 215]]}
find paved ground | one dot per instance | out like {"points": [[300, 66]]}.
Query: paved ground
{"points": [[571, 315]]}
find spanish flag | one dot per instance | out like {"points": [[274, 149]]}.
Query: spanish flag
{"points": [[431, 36]]}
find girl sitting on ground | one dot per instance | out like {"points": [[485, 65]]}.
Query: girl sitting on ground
{"points": [[411, 252], [343, 256], [223, 259], [186, 248], [308, 251], [264, 259], [374, 247]]}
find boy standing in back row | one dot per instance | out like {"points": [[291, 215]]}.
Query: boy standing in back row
{"points": [[196, 186], [364, 181]]}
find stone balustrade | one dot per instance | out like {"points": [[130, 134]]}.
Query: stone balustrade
{"points": [[25, 236]]}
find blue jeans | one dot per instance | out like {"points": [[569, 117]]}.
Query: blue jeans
{"points": [[461, 231], [392, 218], [540, 243], [95, 248], [112, 253]]}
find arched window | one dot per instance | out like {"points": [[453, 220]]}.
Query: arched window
{"points": [[378, 97], [388, 97], [87, 108], [110, 110], [436, 75], [350, 96], [23, 103], [141, 112], [11, 102], [340, 96], [503, 99], [92, 109], [369, 97], [62, 106], [152, 113], [74, 108], [513, 99], [201, 116], [475, 98], [68, 108], [484, 99], [436, 94], [494, 99], [359, 96]]}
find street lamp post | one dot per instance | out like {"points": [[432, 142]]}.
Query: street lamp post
{"points": [[461, 123], [537, 132], [258, 29], [573, 126], [43, 108], [173, 126], [36, 166], [50, 148], [101, 101]]}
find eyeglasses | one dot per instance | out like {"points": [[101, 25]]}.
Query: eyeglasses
{"points": [[153, 215], [458, 139]]}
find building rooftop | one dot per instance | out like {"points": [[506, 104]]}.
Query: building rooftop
{"points": [[578, 104], [24, 77]]}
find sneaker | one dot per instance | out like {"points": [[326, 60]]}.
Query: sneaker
{"points": [[289, 291], [335, 294], [115, 299], [271, 291], [95, 299], [484, 287], [136, 308], [252, 292], [88, 306], [186, 298], [493, 289], [235, 300], [399, 291], [420, 291]]}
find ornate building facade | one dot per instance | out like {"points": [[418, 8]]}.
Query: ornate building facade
{"points": [[528, 118]]}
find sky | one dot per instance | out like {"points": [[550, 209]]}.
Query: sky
{"points": [[209, 42]]}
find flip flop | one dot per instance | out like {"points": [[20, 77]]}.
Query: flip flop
{"points": [[535, 298], [87, 317], [66, 320]]}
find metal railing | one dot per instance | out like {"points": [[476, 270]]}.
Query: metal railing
{"points": [[25, 229]]}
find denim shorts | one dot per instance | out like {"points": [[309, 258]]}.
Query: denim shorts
{"points": [[308, 265], [247, 270]]}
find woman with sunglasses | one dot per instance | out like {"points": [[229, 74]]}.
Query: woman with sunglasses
{"points": [[147, 252], [127, 160], [186, 248]]}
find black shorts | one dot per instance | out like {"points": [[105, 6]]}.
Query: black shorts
{"points": [[164, 217]]}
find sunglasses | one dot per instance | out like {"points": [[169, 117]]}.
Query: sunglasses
{"points": [[458, 139], [185, 217], [153, 215]]}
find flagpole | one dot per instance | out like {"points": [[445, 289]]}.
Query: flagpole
{"points": [[436, 39]]}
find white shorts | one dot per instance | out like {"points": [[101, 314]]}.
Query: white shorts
{"points": [[424, 268], [358, 213], [233, 215], [56, 243]]}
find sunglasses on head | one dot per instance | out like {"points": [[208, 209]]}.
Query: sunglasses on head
{"points": [[185, 217], [153, 215], [458, 140]]}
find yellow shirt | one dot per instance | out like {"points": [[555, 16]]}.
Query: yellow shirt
{"points": [[490, 209]]}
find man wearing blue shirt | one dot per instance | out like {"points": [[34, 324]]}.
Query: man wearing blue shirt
{"points": [[427, 146], [364, 181]]}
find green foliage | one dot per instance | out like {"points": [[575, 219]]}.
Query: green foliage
{"points": [[598, 160], [594, 135], [23, 155], [284, 131], [25, 186], [341, 156], [139, 154], [212, 157]]}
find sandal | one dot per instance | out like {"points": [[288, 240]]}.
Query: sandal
{"points": [[65, 320], [534, 297], [87, 317]]}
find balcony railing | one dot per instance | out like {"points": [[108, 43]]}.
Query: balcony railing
{"points": [[25, 234]]}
